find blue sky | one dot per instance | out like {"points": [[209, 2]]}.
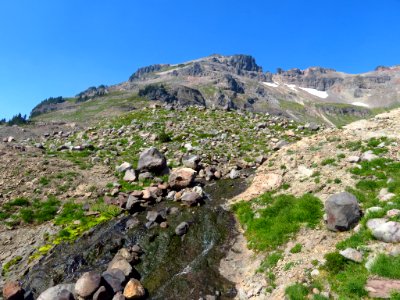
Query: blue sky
{"points": [[59, 48]]}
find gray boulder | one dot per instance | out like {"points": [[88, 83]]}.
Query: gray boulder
{"points": [[58, 292], [191, 161], [182, 228], [342, 211], [191, 198], [87, 284], [152, 160], [382, 230]]}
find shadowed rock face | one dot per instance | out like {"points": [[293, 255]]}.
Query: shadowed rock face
{"points": [[146, 70]]}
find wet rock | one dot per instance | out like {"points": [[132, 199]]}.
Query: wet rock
{"points": [[58, 292], [182, 228], [352, 254], [191, 198], [12, 290], [181, 178], [152, 160], [87, 284], [134, 290], [121, 264], [343, 211]]}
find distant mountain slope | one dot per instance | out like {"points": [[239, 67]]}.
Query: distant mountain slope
{"points": [[237, 82]]}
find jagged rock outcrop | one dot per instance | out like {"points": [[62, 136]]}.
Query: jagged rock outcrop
{"points": [[141, 72]]}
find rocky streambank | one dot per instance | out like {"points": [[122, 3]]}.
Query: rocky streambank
{"points": [[166, 245]]}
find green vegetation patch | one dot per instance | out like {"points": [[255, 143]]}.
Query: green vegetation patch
{"points": [[277, 219], [386, 266], [8, 265], [296, 291]]}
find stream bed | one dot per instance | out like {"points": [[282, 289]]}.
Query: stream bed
{"points": [[172, 267]]}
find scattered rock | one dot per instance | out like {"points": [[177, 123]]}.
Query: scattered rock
{"points": [[352, 254], [12, 290], [130, 175], [58, 292], [182, 228], [343, 211], [101, 294], [280, 145], [121, 264], [152, 160], [87, 284], [368, 156], [181, 178], [191, 198], [191, 161], [123, 167], [134, 290], [388, 232], [382, 288]]}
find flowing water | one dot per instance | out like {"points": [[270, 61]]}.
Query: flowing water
{"points": [[172, 267]]}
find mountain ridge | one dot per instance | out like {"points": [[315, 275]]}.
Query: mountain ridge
{"points": [[237, 82]]}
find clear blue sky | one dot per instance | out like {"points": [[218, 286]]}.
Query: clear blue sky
{"points": [[61, 47]]}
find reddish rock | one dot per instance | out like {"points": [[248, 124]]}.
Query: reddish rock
{"points": [[12, 290]]}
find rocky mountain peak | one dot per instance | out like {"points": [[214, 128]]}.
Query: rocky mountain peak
{"points": [[141, 72]]}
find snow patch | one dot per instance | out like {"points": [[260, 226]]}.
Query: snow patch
{"points": [[360, 104], [271, 84], [320, 94]]}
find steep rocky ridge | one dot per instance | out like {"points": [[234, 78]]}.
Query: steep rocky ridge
{"points": [[237, 82]]}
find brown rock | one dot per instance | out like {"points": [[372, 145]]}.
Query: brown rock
{"points": [[12, 290], [134, 290], [181, 178]]}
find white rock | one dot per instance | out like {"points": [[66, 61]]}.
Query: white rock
{"points": [[368, 156], [123, 167], [315, 273], [352, 254], [130, 175], [353, 159]]}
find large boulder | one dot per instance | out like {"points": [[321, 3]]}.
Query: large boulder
{"points": [[342, 211], [152, 160], [58, 292], [87, 284], [181, 178]]}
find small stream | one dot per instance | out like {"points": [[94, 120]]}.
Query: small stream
{"points": [[172, 267]]}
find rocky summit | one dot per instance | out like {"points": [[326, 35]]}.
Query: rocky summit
{"points": [[210, 179]]}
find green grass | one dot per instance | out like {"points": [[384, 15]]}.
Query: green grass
{"points": [[296, 248], [296, 291], [8, 265], [328, 161], [346, 277], [270, 261], [387, 266], [279, 220]]}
